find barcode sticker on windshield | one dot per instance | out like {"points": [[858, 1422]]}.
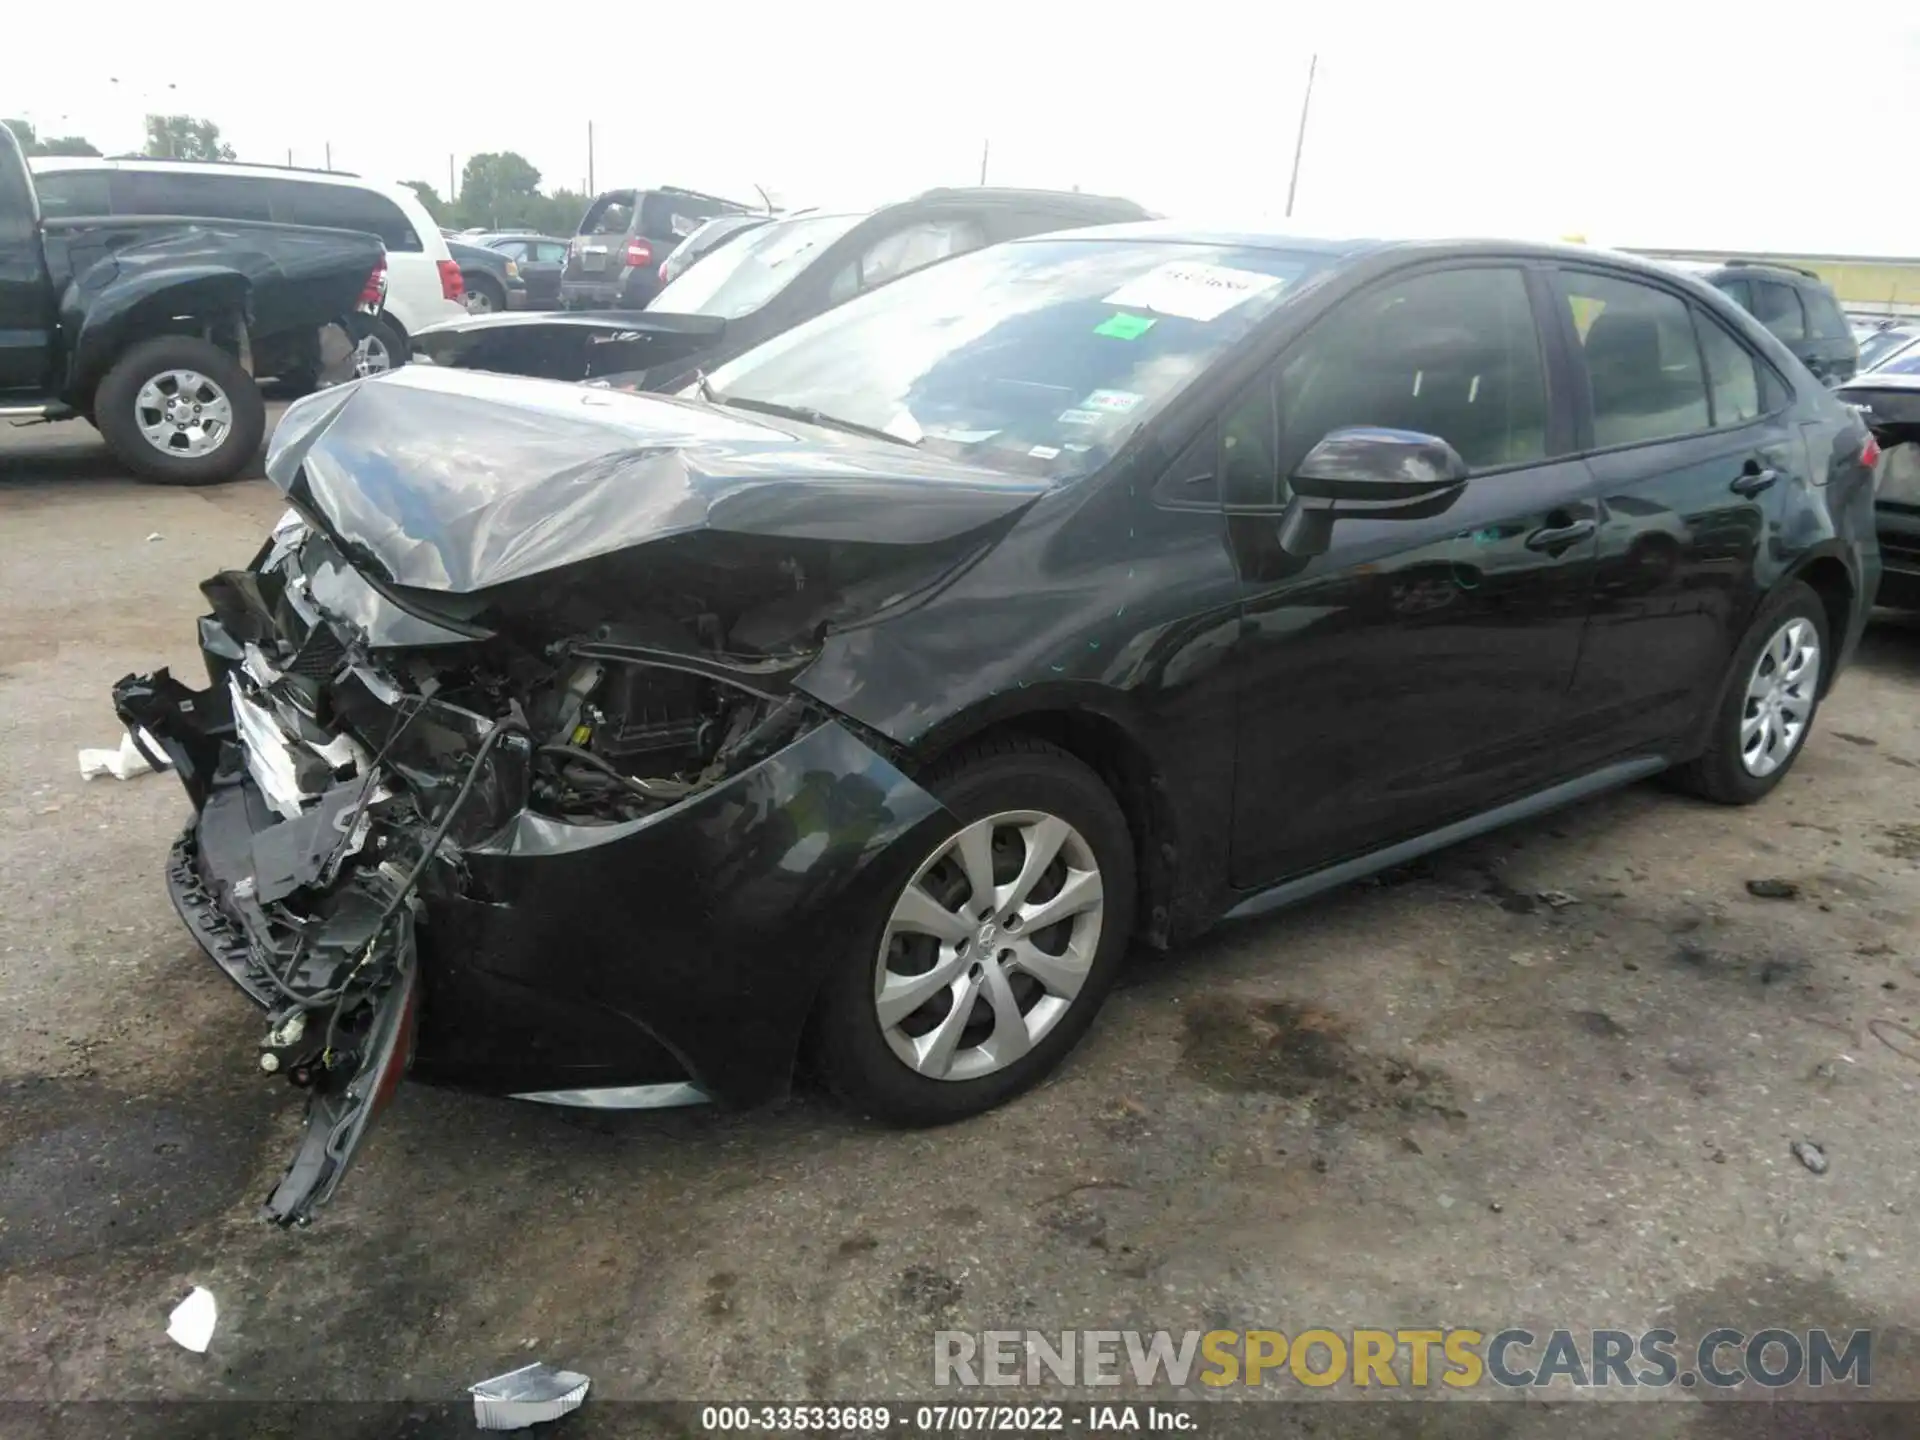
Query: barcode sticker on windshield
{"points": [[1192, 289]]}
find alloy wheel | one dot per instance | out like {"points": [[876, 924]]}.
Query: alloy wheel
{"points": [[371, 357], [1780, 697], [988, 945], [478, 302], [183, 414]]}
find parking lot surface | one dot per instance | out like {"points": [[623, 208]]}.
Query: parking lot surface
{"points": [[1433, 1099]]}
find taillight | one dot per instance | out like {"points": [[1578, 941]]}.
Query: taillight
{"points": [[374, 292], [639, 253], [1870, 452], [451, 285], [663, 272]]}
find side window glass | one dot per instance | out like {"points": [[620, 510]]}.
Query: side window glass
{"points": [[16, 193], [1453, 353], [512, 249], [905, 251], [548, 250], [1249, 463], [73, 192], [1824, 318], [1732, 374], [1643, 363], [1739, 292], [345, 207], [213, 197], [1778, 308]]}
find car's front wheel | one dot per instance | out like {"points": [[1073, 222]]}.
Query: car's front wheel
{"points": [[980, 963], [180, 410], [1767, 707]]}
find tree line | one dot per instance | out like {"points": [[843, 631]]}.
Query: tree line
{"points": [[499, 190]]}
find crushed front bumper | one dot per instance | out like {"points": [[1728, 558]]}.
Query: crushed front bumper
{"points": [[520, 954]]}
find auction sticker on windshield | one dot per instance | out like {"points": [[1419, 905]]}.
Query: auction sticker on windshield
{"points": [[1192, 289]]}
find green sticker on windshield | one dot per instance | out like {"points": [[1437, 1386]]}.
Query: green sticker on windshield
{"points": [[1124, 327]]}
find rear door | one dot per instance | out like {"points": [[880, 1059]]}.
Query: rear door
{"points": [[1418, 671], [1687, 431], [26, 297], [598, 250]]}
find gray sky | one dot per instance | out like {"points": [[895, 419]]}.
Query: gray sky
{"points": [[1751, 126]]}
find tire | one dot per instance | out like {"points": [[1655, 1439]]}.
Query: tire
{"points": [[485, 297], [1723, 772], [148, 390], [383, 339], [1015, 783]]}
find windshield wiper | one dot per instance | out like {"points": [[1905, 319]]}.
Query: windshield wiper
{"points": [[704, 387], [808, 415]]}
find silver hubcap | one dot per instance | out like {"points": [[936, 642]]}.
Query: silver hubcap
{"points": [[1780, 697], [371, 357], [183, 413], [988, 945], [479, 302]]}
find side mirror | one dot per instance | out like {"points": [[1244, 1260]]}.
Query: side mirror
{"points": [[1367, 467], [1368, 472]]}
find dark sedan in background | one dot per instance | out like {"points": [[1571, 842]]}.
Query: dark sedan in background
{"points": [[540, 258], [760, 283], [871, 694]]}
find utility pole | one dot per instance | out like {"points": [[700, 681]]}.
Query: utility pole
{"points": [[329, 155], [985, 147], [589, 157], [1300, 140], [289, 157], [450, 195]]}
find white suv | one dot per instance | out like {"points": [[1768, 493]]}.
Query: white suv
{"points": [[423, 280]]}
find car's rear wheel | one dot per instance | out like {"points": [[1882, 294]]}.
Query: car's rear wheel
{"points": [[381, 349], [181, 411], [980, 962], [483, 295], [1768, 703]]}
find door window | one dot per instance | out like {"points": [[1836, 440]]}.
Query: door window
{"points": [[1643, 363], [1453, 353], [1824, 319], [344, 207], [74, 192], [1777, 307], [512, 249], [185, 192], [903, 252], [1737, 291], [1733, 375]]}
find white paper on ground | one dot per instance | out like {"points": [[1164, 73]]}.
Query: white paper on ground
{"points": [[1192, 289], [191, 1323], [122, 764]]}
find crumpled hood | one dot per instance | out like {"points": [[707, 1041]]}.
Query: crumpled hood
{"points": [[457, 480]]}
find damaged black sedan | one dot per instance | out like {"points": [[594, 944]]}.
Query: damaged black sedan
{"points": [[864, 699]]}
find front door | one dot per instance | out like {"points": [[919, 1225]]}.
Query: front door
{"points": [[1693, 455], [26, 299], [1418, 671]]}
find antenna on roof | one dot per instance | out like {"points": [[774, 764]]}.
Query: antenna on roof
{"points": [[765, 198]]}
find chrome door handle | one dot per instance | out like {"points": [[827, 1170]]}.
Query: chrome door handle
{"points": [[1558, 537], [1752, 482]]}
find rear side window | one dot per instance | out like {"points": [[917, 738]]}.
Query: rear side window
{"points": [[182, 192], [1737, 291], [667, 216], [1733, 375], [1453, 353], [903, 252], [1777, 307], [611, 214], [344, 207], [1824, 320], [1643, 363], [16, 194], [548, 250], [74, 192]]}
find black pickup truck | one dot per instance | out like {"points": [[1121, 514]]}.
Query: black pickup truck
{"points": [[153, 327]]}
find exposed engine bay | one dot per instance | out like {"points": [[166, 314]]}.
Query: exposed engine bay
{"points": [[384, 737]]}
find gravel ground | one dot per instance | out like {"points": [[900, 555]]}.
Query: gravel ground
{"points": [[1431, 1099]]}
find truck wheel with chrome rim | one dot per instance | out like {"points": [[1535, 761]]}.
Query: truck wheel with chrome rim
{"points": [[980, 961], [180, 410], [1767, 703]]}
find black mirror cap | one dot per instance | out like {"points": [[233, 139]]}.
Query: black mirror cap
{"points": [[1372, 463]]}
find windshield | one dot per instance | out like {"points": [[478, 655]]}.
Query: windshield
{"points": [[1882, 344], [1040, 356], [746, 273]]}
